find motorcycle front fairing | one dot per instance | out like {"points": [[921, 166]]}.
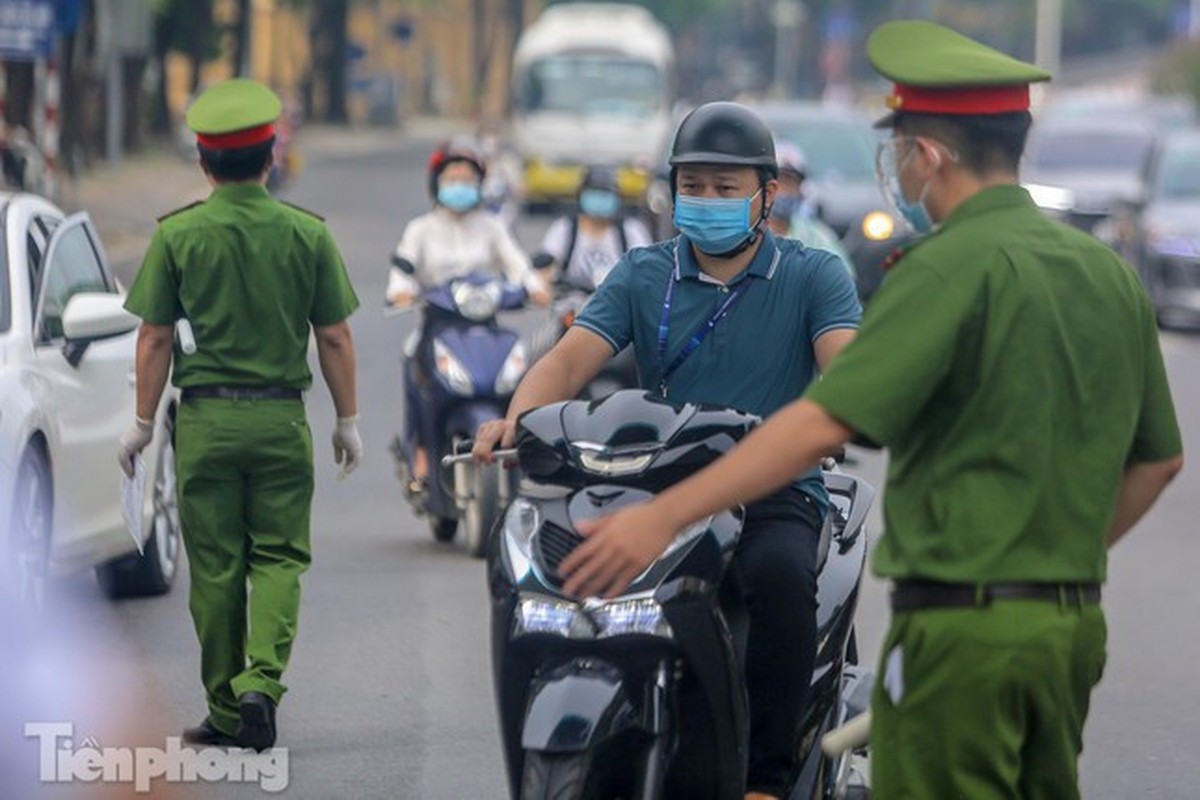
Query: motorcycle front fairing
{"points": [[572, 673]]}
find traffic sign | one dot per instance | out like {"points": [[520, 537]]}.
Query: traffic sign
{"points": [[26, 29]]}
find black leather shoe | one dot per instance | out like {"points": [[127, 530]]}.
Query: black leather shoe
{"points": [[207, 734], [257, 730]]}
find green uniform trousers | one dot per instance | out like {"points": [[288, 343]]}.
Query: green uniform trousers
{"points": [[245, 482], [983, 703]]}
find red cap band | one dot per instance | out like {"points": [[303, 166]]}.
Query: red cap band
{"points": [[232, 141], [960, 101]]}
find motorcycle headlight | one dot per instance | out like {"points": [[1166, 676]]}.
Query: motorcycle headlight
{"points": [[513, 369], [478, 302], [450, 368], [643, 616], [878, 226], [550, 616], [521, 522], [599, 460]]}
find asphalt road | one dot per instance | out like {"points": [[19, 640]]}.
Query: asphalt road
{"points": [[391, 691]]}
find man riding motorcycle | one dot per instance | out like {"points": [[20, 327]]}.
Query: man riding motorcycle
{"points": [[725, 314], [455, 238]]}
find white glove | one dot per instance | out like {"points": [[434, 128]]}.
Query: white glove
{"points": [[132, 442], [347, 445]]}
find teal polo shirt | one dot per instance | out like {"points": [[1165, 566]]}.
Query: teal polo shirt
{"points": [[759, 356]]}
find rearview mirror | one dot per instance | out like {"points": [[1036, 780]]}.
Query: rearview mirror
{"points": [[90, 316], [96, 315]]}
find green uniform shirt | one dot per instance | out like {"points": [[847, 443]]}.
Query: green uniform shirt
{"points": [[251, 274], [1011, 365]]}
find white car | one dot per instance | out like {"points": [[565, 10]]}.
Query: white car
{"points": [[67, 351]]}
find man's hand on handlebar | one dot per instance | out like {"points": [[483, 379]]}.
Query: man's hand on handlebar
{"points": [[492, 435]]}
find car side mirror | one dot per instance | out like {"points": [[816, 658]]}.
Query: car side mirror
{"points": [[403, 264], [90, 316]]}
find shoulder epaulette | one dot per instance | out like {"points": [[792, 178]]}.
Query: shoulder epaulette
{"points": [[180, 210], [304, 210], [900, 252]]}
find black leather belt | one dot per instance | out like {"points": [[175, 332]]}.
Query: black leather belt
{"points": [[242, 392], [917, 595]]}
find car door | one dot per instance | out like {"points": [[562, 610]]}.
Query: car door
{"points": [[93, 401]]}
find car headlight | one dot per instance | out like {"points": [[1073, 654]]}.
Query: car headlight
{"points": [[513, 369], [1054, 198], [643, 616], [478, 302], [450, 368], [1171, 243], [551, 616], [878, 226]]}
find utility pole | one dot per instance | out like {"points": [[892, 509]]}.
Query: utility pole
{"points": [[1048, 38], [788, 16]]}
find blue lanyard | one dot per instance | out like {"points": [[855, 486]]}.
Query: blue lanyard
{"points": [[697, 336]]}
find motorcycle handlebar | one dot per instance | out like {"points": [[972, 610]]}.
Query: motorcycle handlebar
{"points": [[499, 455]]}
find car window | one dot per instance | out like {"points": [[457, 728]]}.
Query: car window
{"points": [[1179, 172], [73, 267], [1090, 150], [36, 239], [833, 152]]}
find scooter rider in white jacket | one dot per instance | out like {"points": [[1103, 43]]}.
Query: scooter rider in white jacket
{"points": [[457, 237]]}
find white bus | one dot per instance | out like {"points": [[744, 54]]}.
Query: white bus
{"points": [[592, 84]]}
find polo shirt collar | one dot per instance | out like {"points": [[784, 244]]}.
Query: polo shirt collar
{"points": [[763, 265], [1001, 197], [235, 192]]}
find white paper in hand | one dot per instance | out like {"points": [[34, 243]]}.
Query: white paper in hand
{"points": [[133, 500]]}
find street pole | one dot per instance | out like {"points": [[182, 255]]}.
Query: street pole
{"points": [[1048, 37], [787, 16]]}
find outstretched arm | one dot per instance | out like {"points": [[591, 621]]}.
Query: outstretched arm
{"points": [[621, 546]]}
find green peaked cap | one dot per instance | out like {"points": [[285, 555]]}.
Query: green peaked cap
{"points": [[927, 55], [234, 105]]}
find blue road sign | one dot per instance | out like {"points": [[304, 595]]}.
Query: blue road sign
{"points": [[26, 29]]}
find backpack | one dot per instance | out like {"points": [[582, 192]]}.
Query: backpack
{"points": [[574, 234]]}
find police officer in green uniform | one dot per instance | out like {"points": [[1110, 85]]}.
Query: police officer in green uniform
{"points": [[250, 277], [1011, 365]]}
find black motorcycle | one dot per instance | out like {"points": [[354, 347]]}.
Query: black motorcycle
{"points": [[642, 696]]}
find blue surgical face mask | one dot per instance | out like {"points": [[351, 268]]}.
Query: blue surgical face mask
{"points": [[599, 203], [458, 195], [715, 225], [785, 206]]}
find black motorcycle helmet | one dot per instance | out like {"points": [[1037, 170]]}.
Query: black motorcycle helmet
{"points": [[724, 133], [600, 176]]}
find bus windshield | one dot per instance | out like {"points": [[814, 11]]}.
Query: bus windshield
{"points": [[592, 84]]}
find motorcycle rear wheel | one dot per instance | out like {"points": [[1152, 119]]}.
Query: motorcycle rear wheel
{"points": [[554, 776]]}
